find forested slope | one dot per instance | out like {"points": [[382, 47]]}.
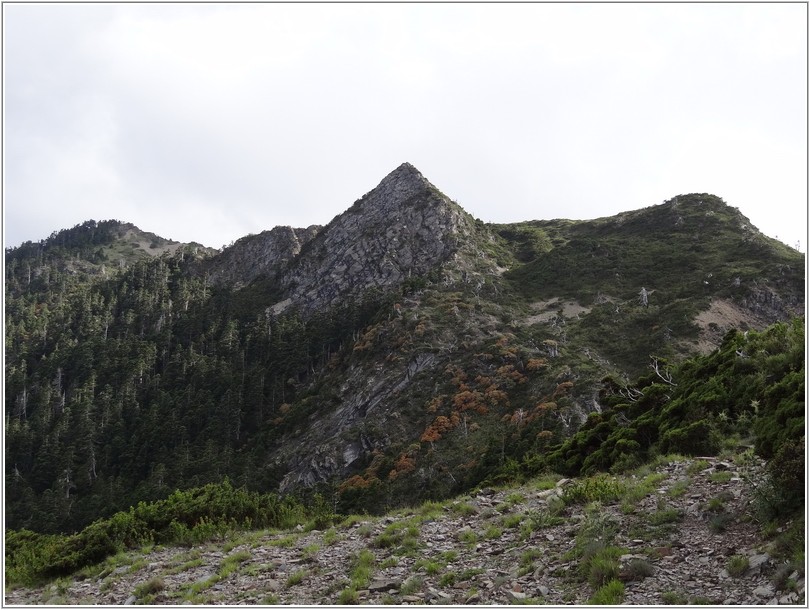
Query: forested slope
{"points": [[136, 366]]}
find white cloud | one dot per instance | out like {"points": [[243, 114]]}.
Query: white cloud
{"points": [[206, 122]]}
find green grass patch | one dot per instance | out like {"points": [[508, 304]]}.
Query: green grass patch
{"points": [[599, 488], [348, 597], [411, 585], [678, 488], [284, 542], [331, 536], [609, 594], [463, 509], [696, 467], [150, 587], [515, 498], [510, 521], [737, 565], [723, 476], [296, 578], [469, 574], [667, 515], [673, 598], [448, 579]]}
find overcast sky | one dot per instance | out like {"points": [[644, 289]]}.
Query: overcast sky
{"points": [[206, 122]]}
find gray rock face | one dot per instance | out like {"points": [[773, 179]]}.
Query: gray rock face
{"points": [[403, 227], [259, 255]]}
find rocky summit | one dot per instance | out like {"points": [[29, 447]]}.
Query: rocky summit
{"points": [[403, 228]]}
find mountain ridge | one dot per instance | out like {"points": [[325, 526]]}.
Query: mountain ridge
{"points": [[401, 351]]}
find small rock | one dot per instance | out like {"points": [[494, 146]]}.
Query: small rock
{"points": [[516, 595], [203, 578], [130, 600], [543, 590], [547, 494], [411, 599], [756, 563], [383, 585], [764, 591], [436, 594], [473, 599]]}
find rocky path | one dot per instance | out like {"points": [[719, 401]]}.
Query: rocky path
{"points": [[683, 534]]}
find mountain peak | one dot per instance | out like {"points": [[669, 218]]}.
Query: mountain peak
{"points": [[401, 185], [403, 227]]}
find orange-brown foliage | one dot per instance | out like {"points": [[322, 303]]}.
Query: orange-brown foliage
{"points": [[535, 364]]}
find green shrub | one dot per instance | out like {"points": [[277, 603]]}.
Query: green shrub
{"points": [[638, 569], [719, 523], [185, 517], [696, 438], [786, 477], [598, 488]]}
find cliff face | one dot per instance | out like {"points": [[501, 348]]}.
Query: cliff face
{"points": [[402, 228], [259, 255]]}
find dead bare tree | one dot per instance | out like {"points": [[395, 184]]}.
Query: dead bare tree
{"points": [[664, 375]]}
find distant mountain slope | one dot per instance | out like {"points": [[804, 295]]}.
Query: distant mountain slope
{"points": [[397, 352], [92, 248]]}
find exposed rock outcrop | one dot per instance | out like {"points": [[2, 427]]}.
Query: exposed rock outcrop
{"points": [[259, 255], [404, 227]]}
